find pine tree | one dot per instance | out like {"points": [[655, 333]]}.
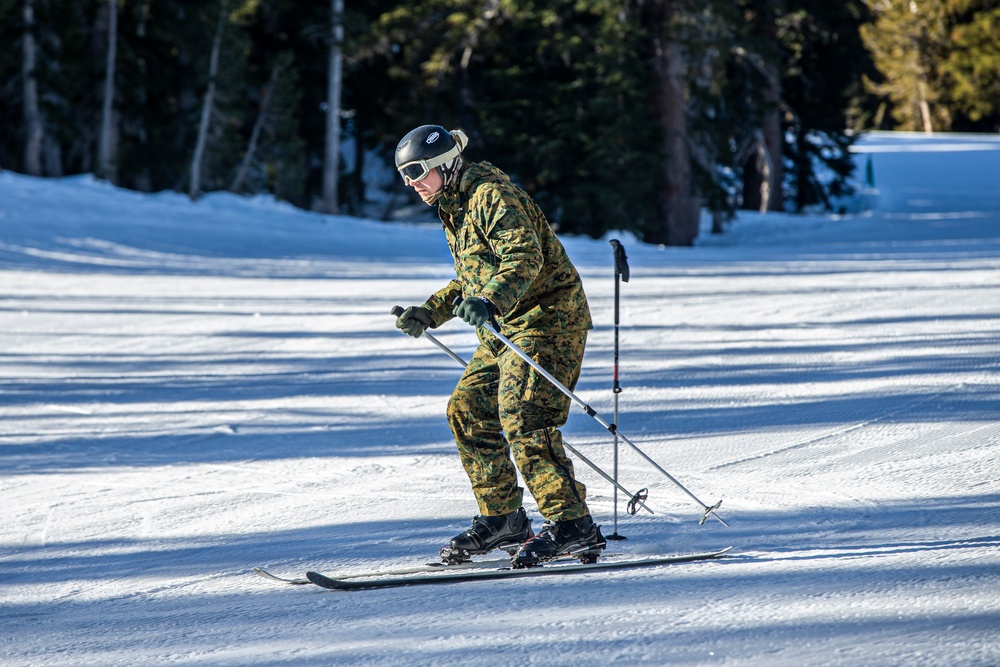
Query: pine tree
{"points": [[725, 104], [556, 94], [907, 40], [970, 71], [823, 65], [761, 146]]}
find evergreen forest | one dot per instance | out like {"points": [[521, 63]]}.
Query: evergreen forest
{"points": [[631, 115]]}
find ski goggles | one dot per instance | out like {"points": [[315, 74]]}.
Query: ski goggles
{"points": [[417, 170]]}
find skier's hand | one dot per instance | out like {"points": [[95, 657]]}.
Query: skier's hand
{"points": [[474, 310], [414, 321]]}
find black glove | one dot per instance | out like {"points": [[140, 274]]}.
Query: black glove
{"points": [[475, 310], [414, 321]]}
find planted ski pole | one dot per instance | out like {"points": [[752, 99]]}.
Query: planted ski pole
{"points": [[636, 498], [709, 510], [621, 275]]}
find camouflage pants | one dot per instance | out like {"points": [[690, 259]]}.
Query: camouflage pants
{"points": [[500, 395]]}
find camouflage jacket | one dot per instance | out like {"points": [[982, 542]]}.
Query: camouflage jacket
{"points": [[505, 250]]}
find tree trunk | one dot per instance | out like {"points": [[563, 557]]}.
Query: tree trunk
{"points": [[331, 160], [764, 173], [263, 115], [33, 129], [925, 109], [677, 207], [804, 192], [52, 157], [206, 107], [757, 176], [106, 141], [773, 142], [140, 175]]}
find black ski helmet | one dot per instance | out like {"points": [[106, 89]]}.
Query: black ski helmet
{"points": [[426, 147]]}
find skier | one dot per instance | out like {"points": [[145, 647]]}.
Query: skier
{"points": [[511, 271]]}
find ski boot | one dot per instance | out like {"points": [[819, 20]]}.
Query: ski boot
{"points": [[507, 532], [580, 538]]}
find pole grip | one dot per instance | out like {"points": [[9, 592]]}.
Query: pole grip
{"points": [[621, 260], [492, 321]]}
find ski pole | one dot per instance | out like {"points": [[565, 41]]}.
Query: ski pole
{"points": [[621, 275], [636, 498], [709, 510], [434, 340]]}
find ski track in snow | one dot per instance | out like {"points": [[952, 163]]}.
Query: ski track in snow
{"points": [[189, 390]]}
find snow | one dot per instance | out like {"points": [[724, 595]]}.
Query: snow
{"points": [[189, 390]]}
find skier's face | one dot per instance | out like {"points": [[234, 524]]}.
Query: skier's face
{"points": [[428, 186]]}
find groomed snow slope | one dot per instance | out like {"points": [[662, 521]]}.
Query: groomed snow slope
{"points": [[189, 390]]}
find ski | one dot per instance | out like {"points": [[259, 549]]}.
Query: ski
{"points": [[495, 563], [259, 571], [386, 580], [417, 569]]}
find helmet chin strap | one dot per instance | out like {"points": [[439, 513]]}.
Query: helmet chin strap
{"points": [[450, 171]]}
